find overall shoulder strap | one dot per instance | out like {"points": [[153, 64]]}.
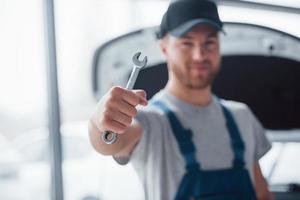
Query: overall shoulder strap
{"points": [[183, 137], [237, 143]]}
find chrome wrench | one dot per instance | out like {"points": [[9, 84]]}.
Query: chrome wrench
{"points": [[110, 137]]}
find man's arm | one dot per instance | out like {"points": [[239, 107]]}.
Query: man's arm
{"points": [[115, 112], [261, 186]]}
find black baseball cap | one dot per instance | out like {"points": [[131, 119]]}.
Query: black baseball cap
{"points": [[183, 15]]}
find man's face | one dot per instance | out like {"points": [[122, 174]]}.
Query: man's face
{"points": [[194, 59]]}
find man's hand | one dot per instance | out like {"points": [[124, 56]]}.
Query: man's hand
{"points": [[116, 109], [115, 112]]}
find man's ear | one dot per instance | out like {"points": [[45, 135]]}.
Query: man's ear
{"points": [[163, 45]]}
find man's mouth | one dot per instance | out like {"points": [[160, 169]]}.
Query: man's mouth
{"points": [[199, 68]]}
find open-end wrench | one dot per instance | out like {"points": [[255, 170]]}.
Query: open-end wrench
{"points": [[137, 66]]}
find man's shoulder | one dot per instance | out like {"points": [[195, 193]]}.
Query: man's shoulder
{"points": [[151, 108], [235, 106], [150, 113], [240, 111]]}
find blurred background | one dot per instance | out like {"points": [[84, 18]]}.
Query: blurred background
{"points": [[81, 28]]}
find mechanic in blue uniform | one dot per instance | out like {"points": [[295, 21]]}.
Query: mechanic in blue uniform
{"points": [[186, 143]]}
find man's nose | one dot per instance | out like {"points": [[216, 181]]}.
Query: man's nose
{"points": [[198, 53]]}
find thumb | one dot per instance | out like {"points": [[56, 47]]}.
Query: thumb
{"points": [[142, 96]]}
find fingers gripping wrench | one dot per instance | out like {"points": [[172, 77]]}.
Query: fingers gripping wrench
{"points": [[110, 137]]}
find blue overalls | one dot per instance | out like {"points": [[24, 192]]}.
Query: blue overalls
{"points": [[224, 184]]}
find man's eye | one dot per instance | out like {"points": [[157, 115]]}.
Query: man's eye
{"points": [[188, 44], [210, 44]]}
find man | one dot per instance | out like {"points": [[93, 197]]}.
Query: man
{"points": [[187, 144]]}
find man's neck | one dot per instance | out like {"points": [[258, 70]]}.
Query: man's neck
{"points": [[200, 97]]}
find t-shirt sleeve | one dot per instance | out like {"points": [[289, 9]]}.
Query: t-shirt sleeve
{"points": [[150, 139], [262, 143], [140, 151]]}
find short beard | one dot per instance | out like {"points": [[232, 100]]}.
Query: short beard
{"points": [[200, 83]]}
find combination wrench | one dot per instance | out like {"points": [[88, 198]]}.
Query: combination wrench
{"points": [[110, 137]]}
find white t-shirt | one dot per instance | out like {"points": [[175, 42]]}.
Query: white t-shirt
{"points": [[157, 158]]}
